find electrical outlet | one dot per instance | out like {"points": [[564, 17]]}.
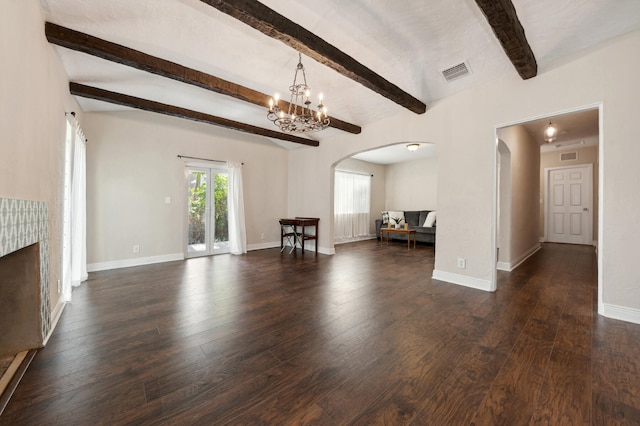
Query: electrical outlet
{"points": [[59, 287], [136, 248], [462, 263], [262, 236]]}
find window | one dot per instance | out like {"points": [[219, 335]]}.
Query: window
{"points": [[352, 204]]}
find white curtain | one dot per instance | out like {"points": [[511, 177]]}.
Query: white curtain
{"points": [[352, 201], [237, 229], [75, 222]]}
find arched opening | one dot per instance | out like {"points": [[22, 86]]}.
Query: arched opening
{"points": [[400, 179]]}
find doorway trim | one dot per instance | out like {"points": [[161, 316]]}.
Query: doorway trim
{"points": [[601, 145]]}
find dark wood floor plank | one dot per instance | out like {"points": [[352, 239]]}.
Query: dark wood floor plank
{"points": [[523, 372], [565, 396], [362, 337]]}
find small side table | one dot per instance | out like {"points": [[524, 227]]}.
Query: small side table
{"points": [[408, 232]]}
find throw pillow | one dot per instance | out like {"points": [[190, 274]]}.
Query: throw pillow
{"points": [[430, 220], [385, 217], [396, 215]]}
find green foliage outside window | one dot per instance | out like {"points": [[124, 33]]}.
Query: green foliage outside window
{"points": [[198, 204]]}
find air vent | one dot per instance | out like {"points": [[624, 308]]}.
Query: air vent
{"points": [[569, 156], [457, 71]]}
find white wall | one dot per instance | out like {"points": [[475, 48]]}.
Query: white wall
{"points": [[525, 191], [34, 96], [378, 178], [412, 185], [132, 166], [463, 126]]}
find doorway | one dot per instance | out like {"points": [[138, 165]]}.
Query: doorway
{"points": [[207, 211], [578, 140]]}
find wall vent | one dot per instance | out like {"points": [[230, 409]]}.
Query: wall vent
{"points": [[569, 156], [457, 71]]}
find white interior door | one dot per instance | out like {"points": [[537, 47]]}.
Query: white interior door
{"points": [[569, 205]]}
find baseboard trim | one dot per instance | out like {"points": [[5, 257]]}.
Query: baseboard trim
{"points": [[355, 239], [263, 246], [503, 266], [621, 313], [510, 266], [138, 261], [55, 316], [463, 280]]}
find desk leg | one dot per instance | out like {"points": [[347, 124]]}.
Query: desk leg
{"points": [[408, 240], [302, 239]]}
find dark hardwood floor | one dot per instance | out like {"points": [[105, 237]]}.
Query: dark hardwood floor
{"points": [[362, 337]]}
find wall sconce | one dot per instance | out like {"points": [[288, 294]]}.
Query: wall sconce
{"points": [[413, 146]]}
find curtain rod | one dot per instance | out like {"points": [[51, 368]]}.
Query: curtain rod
{"points": [[73, 114], [354, 173], [205, 159]]}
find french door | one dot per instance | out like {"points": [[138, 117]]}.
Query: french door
{"points": [[207, 212]]}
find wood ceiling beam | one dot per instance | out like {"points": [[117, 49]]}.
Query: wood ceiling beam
{"points": [[174, 111], [501, 15], [271, 23], [85, 43]]}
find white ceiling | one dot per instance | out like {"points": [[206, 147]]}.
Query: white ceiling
{"points": [[408, 43], [397, 153]]}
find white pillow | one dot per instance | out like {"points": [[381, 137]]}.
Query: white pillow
{"points": [[430, 220], [393, 215]]}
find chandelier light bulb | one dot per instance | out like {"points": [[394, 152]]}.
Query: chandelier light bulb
{"points": [[550, 132]]}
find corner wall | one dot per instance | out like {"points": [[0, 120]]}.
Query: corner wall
{"points": [[412, 185], [525, 190], [34, 98], [132, 166], [463, 126]]}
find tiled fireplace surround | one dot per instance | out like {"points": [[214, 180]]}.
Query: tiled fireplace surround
{"points": [[23, 223]]}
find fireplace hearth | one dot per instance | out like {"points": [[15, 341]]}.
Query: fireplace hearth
{"points": [[25, 317]]}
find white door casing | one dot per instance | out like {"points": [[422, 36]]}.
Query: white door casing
{"points": [[569, 204]]}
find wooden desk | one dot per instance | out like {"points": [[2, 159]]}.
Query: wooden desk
{"points": [[302, 223], [409, 232]]}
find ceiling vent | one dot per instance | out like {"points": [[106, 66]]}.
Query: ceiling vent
{"points": [[457, 71], [569, 156]]}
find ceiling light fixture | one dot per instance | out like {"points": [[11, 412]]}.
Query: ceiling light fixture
{"points": [[299, 117], [413, 146], [550, 133]]}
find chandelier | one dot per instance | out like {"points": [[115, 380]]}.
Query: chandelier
{"points": [[299, 117]]}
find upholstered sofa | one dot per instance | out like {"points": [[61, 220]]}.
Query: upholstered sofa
{"points": [[415, 219]]}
